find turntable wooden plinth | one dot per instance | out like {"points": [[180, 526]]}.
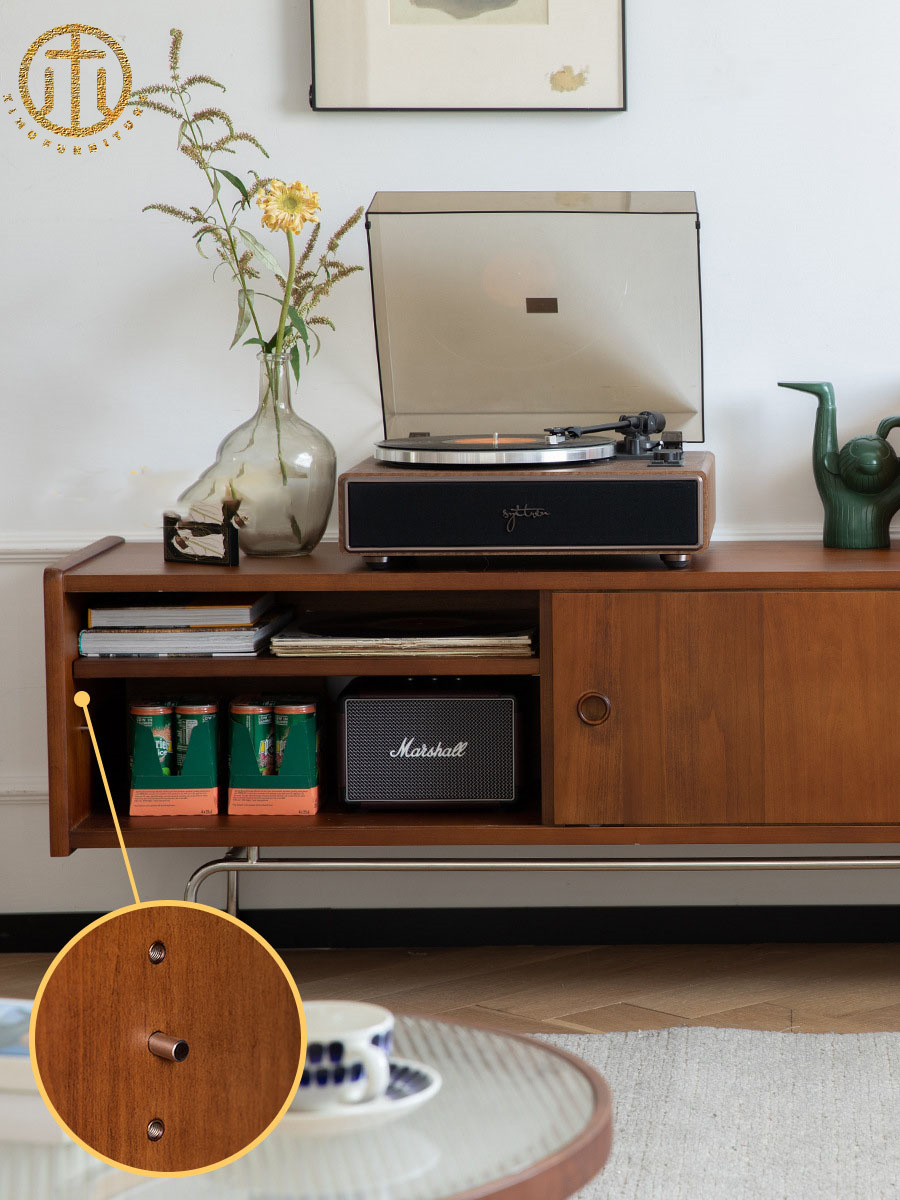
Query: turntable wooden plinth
{"points": [[618, 506]]}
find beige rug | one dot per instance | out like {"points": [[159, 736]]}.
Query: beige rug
{"points": [[736, 1114]]}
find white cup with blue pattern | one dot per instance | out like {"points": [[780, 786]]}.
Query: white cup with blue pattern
{"points": [[348, 1046]]}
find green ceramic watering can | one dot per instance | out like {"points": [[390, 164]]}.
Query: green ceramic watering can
{"points": [[859, 484]]}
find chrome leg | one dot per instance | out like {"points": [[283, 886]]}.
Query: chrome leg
{"points": [[231, 893], [237, 854], [250, 860], [245, 854]]}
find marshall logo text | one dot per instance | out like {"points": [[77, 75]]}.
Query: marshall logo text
{"points": [[408, 750]]}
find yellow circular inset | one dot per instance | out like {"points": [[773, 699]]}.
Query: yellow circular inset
{"points": [[75, 54], [167, 1038]]}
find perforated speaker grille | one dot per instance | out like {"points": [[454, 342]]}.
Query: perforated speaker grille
{"points": [[429, 748]]}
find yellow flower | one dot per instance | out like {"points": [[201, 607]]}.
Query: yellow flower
{"points": [[288, 206]]}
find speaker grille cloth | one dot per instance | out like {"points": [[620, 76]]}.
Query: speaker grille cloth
{"points": [[376, 727]]}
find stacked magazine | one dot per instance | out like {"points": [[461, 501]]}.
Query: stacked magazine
{"points": [[389, 636], [165, 631]]}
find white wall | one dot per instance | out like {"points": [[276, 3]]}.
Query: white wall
{"points": [[117, 383]]}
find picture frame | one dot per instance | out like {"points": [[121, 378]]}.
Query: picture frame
{"points": [[468, 55]]}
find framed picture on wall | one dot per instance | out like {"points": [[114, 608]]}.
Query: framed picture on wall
{"points": [[468, 54]]}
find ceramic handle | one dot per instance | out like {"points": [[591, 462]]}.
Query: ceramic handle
{"points": [[378, 1070]]}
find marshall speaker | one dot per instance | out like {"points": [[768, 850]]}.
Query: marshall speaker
{"points": [[428, 749]]}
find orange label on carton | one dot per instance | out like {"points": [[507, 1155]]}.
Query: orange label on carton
{"points": [[174, 802], [285, 802]]}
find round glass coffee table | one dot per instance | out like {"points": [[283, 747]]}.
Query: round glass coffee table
{"points": [[514, 1118]]}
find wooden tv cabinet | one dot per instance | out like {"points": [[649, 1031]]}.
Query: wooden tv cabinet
{"points": [[751, 698]]}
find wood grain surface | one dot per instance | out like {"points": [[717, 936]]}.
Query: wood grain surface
{"points": [[139, 567], [516, 828], [832, 713], [683, 740], [739, 707], [218, 988]]}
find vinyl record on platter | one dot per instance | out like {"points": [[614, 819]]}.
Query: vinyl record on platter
{"points": [[494, 450]]}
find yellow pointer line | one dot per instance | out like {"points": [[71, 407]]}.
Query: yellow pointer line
{"points": [[82, 699]]}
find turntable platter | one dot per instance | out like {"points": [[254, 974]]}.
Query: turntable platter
{"points": [[494, 450]]}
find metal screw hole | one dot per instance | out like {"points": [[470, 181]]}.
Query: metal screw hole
{"points": [[157, 952], [155, 1129]]}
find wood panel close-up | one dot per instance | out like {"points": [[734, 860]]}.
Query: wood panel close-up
{"points": [[832, 711], [218, 988], [682, 674], [769, 707]]}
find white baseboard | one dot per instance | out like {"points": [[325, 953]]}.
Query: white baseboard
{"points": [[768, 533], [23, 789], [53, 544], [48, 546]]}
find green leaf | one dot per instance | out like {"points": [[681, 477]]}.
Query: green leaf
{"points": [[268, 346], [234, 181], [295, 361], [198, 237], [300, 325], [244, 310], [265, 257]]}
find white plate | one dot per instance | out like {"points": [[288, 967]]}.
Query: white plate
{"points": [[412, 1084]]}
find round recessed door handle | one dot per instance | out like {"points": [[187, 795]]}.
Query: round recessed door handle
{"points": [[593, 708]]}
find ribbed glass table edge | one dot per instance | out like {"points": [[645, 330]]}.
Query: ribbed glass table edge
{"points": [[506, 1104]]}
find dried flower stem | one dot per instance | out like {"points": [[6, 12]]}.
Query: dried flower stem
{"points": [[237, 261], [292, 262], [302, 287]]}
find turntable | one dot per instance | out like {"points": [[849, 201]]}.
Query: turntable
{"points": [[498, 312]]}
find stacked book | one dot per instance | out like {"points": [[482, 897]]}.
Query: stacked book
{"points": [[402, 635], [171, 631]]}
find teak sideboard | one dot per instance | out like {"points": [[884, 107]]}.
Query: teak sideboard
{"points": [[749, 699]]}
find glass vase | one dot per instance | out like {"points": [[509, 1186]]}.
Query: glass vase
{"points": [[280, 468]]}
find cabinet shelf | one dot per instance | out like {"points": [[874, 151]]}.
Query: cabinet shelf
{"points": [[520, 827], [287, 668], [456, 828]]}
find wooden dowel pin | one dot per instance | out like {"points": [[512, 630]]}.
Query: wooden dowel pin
{"points": [[163, 1045]]}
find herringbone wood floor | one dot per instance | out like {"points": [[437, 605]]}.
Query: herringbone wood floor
{"points": [[852, 988]]}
